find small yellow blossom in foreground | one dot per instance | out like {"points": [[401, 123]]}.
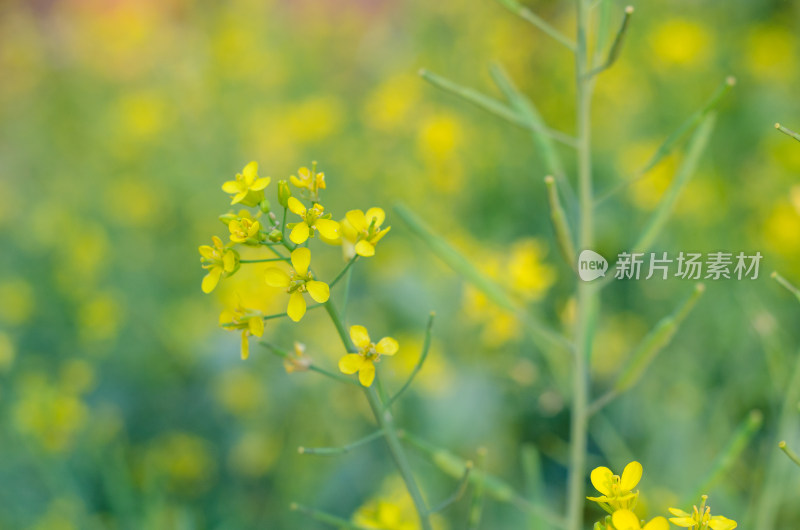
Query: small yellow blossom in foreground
{"points": [[627, 520], [298, 281], [617, 492], [297, 361], [244, 231], [247, 188], [364, 361], [250, 322], [310, 180], [218, 260], [363, 231], [701, 518], [313, 219]]}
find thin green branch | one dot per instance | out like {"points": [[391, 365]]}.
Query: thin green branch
{"points": [[341, 449], [543, 138], [344, 270], [478, 493], [495, 487], [616, 46], [666, 148], [686, 171], [312, 367], [490, 105], [560, 224], [789, 287], [648, 349], [323, 517], [545, 337], [729, 455], [534, 480], [262, 260], [526, 14], [461, 488], [791, 454], [417, 367], [788, 132]]}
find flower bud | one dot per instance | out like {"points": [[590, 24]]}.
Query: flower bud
{"points": [[284, 193], [264, 206], [275, 236]]}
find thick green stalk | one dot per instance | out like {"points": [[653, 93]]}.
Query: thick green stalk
{"points": [[386, 423], [576, 479]]}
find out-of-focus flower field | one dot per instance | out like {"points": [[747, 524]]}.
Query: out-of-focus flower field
{"points": [[124, 405]]}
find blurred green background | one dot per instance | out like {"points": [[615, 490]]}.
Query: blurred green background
{"points": [[123, 405]]}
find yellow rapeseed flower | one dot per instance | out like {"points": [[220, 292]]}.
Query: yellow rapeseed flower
{"points": [[361, 232], [218, 260], [627, 520], [247, 188], [616, 492], [249, 321], [245, 230], [369, 353], [313, 219], [309, 181], [701, 518], [298, 281]]}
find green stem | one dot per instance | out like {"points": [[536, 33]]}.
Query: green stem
{"points": [[262, 260], [576, 479], [339, 450], [424, 355], [323, 517], [344, 270], [386, 423]]}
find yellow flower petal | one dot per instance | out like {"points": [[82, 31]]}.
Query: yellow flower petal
{"points": [[239, 197], [625, 520], [351, 363], [631, 476], [601, 480], [683, 522], [211, 280], [256, 326], [365, 248], [719, 522], [217, 242], [319, 291], [250, 171], [367, 373], [231, 186], [297, 306], [387, 346], [296, 206], [359, 336], [679, 513], [260, 184], [299, 233], [377, 214], [357, 220], [659, 523], [276, 278], [206, 251], [301, 259], [328, 228], [380, 235], [229, 261], [245, 346]]}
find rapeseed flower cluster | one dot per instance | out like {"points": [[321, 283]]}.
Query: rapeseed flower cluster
{"points": [[257, 226], [619, 496]]}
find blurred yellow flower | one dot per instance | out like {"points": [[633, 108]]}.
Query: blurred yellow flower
{"points": [[361, 232], [770, 53], [369, 353], [239, 391], [681, 42], [218, 260], [701, 518], [627, 520], [18, 300], [247, 188], [313, 219], [298, 281], [385, 515], [616, 492], [309, 181], [249, 321], [186, 460]]}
